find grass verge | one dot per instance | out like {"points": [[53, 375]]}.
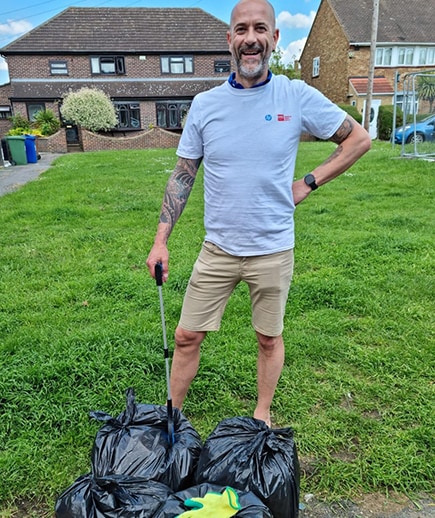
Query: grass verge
{"points": [[80, 322]]}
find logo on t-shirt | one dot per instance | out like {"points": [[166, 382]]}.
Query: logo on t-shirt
{"points": [[268, 117], [283, 118]]}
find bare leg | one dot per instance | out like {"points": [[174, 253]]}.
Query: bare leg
{"points": [[269, 367], [185, 363]]}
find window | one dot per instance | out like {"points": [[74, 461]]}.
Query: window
{"points": [[5, 111], [58, 68], [422, 56], [406, 56], [170, 113], [426, 56], [316, 67], [128, 115], [108, 65], [33, 109], [383, 56], [177, 64], [406, 103], [222, 66]]}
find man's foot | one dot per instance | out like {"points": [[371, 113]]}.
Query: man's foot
{"points": [[265, 418]]}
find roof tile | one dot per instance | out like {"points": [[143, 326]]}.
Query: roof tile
{"points": [[125, 29], [399, 20], [381, 85]]}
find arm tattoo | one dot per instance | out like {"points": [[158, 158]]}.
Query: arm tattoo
{"points": [[343, 131], [337, 151], [178, 190]]}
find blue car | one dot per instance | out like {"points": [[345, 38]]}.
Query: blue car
{"points": [[419, 132]]}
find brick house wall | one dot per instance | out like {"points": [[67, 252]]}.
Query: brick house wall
{"points": [[44, 67], [328, 42], [390, 74], [21, 108], [137, 67], [5, 92], [340, 60], [38, 67]]}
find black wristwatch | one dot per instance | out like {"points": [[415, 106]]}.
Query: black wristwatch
{"points": [[311, 181]]}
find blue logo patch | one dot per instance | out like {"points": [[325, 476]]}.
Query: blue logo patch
{"points": [[268, 117]]}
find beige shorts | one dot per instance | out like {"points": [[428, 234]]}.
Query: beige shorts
{"points": [[216, 274]]}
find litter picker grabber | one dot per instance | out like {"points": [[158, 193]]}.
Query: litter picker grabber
{"points": [[159, 281]]}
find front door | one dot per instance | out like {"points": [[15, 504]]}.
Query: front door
{"points": [[72, 138], [374, 111]]}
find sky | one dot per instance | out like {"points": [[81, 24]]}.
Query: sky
{"points": [[294, 18]]}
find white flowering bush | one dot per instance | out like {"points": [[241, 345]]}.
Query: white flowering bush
{"points": [[90, 108]]}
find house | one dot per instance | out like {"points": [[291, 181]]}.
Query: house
{"points": [[336, 56], [150, 61]]}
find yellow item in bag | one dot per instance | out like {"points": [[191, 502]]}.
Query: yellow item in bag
{"points": [[213, 505]]}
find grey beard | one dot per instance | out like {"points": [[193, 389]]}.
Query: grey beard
{"points": [[250, 73]]}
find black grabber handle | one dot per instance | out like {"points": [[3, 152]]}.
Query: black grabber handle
{"points": [[158, 272]]}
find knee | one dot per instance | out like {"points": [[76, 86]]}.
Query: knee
{"points": [[269, 344], [185, 338]]}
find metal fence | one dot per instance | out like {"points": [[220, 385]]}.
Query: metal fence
{"points": [[416, 135]]}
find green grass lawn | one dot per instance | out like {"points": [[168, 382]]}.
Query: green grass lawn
{"points": [[80, 321]]}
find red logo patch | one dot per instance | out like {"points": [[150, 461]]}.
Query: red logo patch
{"points": [[284, 118]]}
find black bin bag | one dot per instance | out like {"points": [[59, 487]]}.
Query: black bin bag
{"points": [[111, 497], [245, 454], [136, 444], [251, 505]]}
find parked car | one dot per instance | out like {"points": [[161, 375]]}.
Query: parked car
{"points": [[419, 132]]}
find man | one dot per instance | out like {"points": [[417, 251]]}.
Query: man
{"points": [[247, 132]]}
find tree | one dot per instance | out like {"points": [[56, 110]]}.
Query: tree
{"points": [[90, 108], [426, 89], [278, 67]]}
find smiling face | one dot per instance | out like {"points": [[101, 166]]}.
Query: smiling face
{"points": [[252, 38]]}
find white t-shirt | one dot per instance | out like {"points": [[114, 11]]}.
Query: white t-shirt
{"points": [[248, 139]]}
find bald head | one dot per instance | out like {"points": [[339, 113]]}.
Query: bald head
{"points": [[252, 38], [247, 5]]}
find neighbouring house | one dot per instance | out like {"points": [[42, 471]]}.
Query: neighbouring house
{"points": [[150, 61], [336, 56]]}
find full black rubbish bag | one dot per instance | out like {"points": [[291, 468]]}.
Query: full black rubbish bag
{"points": [[251, 505], [136, 444], [245, 454], [113, 496]]}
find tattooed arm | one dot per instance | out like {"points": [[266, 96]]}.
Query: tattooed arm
{"points": [[352, 142], [177, 192]]}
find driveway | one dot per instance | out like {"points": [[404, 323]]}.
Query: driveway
{"points": [[13, 177]]}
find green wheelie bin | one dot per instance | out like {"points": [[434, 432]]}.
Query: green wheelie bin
{"points": [[17, 147]]}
